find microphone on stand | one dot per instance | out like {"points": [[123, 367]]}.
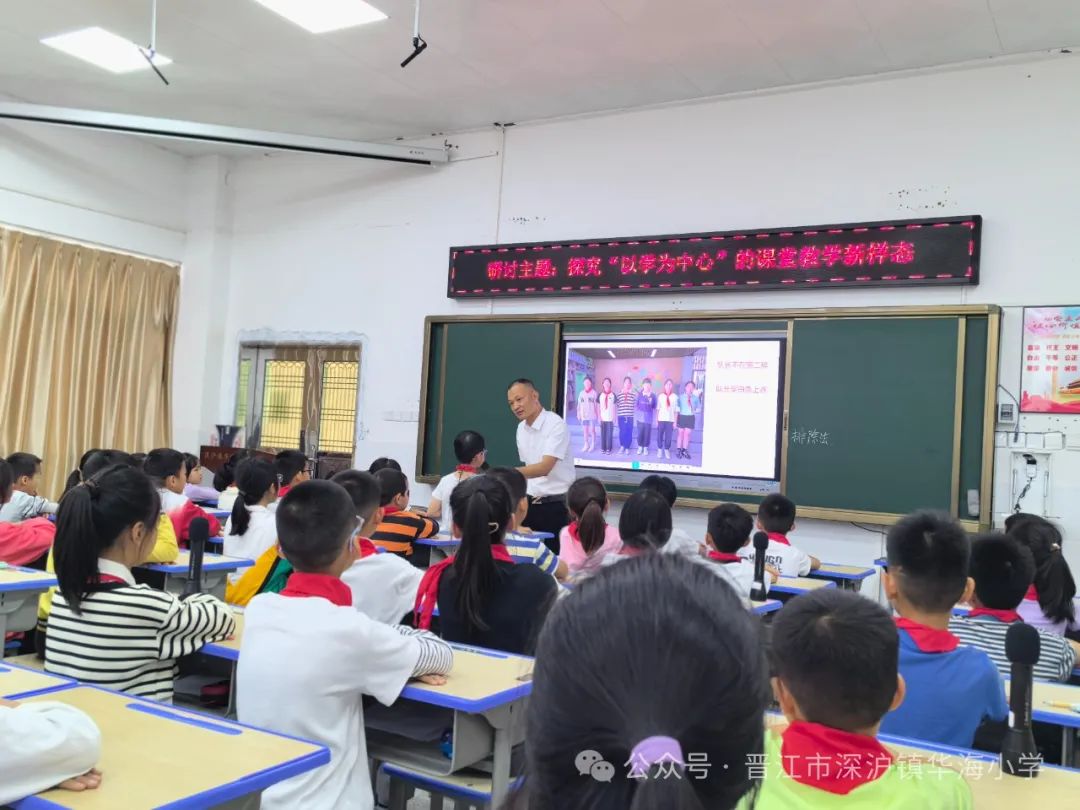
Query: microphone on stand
{"points": [[198, 534], [1019, 756], [761, 544]]}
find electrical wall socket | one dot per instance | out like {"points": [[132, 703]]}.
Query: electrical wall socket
{"points": [[1035, 441]]}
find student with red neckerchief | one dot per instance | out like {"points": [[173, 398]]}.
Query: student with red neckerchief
{"points": [[483, 597], [834, 659], [776, 517], [1050, 603], [470, 450], [951, 688], [729, 530], [589, 537]]}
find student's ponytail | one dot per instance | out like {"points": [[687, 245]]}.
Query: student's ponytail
{"points": [[1053, 580], [481, 507], [645, 521], [587, 499], [254, 478], [91, 517]]}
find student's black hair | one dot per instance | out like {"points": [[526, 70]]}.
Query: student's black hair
{"points": [[607, 380], [776, 513], [140, 458], [289, 464], [254, 478], [613, 669], [363, 488], [225, 477], [468, 445], [90, 519], [522, 381], [646, 381], [645, 520], [315, 520], [837, 653], [191, 461], [391, 483], [162, 463], [586, 500], [383, 463], [24, 464], [75, 476], [929, 554], [661, 484], [106, 458], [729, 526], [587, 377], [513, 480], [627, 377], [482, 510], [1019, 517], [1003, 570], [7, 482], [1053, 579]]}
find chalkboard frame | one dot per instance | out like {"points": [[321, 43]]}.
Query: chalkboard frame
{"points": [[992, 313]]}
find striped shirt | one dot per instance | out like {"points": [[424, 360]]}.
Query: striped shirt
{"points": [[627, 403], [399, 530], [1056, 655], [526, 549], [127, 637]]}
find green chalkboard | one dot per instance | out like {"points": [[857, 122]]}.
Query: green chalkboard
{"points": [[872, 414]]}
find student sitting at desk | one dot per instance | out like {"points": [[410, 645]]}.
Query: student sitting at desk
{"points": [[517, 540], [470, 451], [383, 586], [589, 537], [194, 488], [225, 480], [834, 659], [43, 745], [167, 470], [643, 688], [1048, 604], [1003, 571], [308, 656], [250, 531], [25, 542], [400, 527], [25, 503], [950, 689], [776, 516], [729, 530], [483, 597], [384, 463], [104, 629], [680, 542], [293, 468]]}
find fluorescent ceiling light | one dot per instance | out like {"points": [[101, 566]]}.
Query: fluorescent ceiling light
{"points": [[320, 16], [609, 351], [104, 49], [652, 353]]}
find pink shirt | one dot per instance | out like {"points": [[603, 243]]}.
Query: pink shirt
{"points": [[571, 552]]}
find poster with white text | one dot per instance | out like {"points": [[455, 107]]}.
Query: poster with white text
{"points": [[1050, 379]]}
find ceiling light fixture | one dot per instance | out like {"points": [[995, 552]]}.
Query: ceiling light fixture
{"points": [[652, 353], [321, 16], [609, 351], [106, 50], [418, 42]]}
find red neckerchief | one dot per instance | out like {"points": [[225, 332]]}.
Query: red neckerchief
{"points": [[111, 579], [572, 530], [365, 547], [389, 509], [330, 588], [1007, 616], [1032, 594], [427, 595], [630, 551], [469, 468], [724, 557], [606, 400], [776, 537], [928, 639], [830, 759], [281, 493]]}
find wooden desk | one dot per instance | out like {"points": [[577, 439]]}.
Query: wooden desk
{"points": [[230, 648], [443, 545], [768, 606], [787, 587], [171, 576], [155, 755], [849, 577], [19, 592], [1068, 720], [19, 682]]}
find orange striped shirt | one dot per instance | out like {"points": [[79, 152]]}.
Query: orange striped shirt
{"points": [[399, 530]]}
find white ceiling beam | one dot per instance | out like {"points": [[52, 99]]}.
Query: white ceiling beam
{"points": [[212, 133]]}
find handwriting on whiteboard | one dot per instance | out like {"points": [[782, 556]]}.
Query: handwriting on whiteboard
{"points": [[808, 437]]}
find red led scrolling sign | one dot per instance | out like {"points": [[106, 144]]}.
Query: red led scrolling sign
{"points": [[940, 251]]}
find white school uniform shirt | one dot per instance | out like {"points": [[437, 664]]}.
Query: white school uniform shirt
{"points": [[442, 492], [261, 534], [547, 436], [667, 406], [41, 745], [586, 406], [171, 500], [739, 574], [304, 666], [787, 559], [608, 406], [384, 586], [227, 499]]}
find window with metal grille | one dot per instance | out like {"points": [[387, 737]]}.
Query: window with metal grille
{"points": [[337, 414], [282, 403], [242, 383]]}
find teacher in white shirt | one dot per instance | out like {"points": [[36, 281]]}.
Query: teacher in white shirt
{"points": [[543, 443]]}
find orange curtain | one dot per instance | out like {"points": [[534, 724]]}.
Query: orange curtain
{"points": [[86, 343]]}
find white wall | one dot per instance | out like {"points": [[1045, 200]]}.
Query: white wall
{"points": [[365, 245]]}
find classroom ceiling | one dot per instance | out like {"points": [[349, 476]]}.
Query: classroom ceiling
{"points": [[235, 62]]}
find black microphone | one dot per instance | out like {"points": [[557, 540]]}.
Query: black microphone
{"points": [[1019, 756], [198, 534], [761, 544]]}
